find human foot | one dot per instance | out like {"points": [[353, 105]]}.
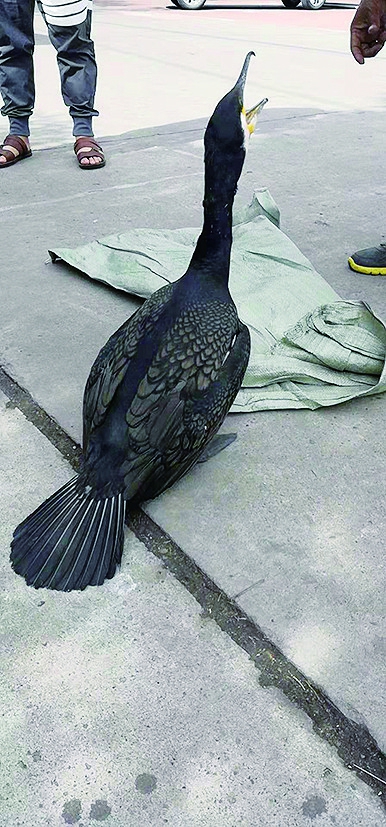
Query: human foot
{"points": [[15, 148], [88, 152]]}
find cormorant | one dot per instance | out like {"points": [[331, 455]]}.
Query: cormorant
{"points": [[158, 391]]}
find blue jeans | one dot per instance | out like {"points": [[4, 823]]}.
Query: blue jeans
{"points": [[75, 57]]}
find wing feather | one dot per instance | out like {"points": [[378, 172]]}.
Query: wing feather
{"points": [[156, 430], [113, 361], [166, 436]]}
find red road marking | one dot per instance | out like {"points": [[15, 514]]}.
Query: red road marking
{"points": [[335, 19], [271, 12]]}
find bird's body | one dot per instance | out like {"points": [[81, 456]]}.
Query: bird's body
{"points": [[171, 399], [156, 395]]}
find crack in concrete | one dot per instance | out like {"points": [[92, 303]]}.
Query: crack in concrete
{"points": [[48, 202], [248, 588], [353, 742]]}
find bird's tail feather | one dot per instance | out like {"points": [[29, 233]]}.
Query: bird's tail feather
{"points": [[71, 541]]}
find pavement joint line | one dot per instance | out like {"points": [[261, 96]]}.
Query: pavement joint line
{"points": [[241, 39], [353, 742], [163, 131], [21, 399], [49, 201]]}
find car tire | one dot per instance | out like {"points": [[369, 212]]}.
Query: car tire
{"points": [[189, 5], [313, 5], [290, 4]]}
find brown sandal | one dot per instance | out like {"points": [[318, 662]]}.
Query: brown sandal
{"points": [[84, 147], [14, 149]]}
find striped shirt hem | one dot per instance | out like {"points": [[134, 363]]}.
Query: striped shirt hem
{"points": [[66, 12]]}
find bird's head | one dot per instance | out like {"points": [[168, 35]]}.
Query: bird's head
{"points": [[231, 125]]}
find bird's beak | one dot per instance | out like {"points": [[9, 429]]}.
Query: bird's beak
{"points": [[251, 115], [240, 82]]}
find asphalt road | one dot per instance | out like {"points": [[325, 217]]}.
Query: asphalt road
{"points": [[160, 65]]}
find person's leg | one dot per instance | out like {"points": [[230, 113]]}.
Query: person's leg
{"points": [[16, 73], [70, 35], [371, 261]]}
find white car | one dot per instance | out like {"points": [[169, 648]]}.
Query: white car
{"points": [[289, 4]]}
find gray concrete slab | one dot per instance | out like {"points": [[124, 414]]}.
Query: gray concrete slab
{"points": [[290, 521], [296, 505], [45, 307], [125, 704]]}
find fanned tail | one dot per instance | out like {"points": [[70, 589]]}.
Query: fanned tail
{"points": [[71, 541]]}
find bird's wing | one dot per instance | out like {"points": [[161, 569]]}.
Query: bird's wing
{"points": [[168, 424], [113, 360]]}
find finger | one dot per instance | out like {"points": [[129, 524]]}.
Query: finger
{"points": [[356, 47], [371, 51], [356, 52]]}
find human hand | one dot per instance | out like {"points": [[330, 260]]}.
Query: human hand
{"points": [[368, 29]]}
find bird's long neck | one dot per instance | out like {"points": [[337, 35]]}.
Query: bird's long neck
{"points": [[213, 249]]}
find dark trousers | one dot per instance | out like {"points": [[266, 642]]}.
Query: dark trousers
{"points": [[75, 57]]}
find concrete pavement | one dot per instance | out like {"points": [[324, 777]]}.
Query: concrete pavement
{"points": [[127, 703]]}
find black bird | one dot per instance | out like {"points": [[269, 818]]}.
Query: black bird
{"points": [[158, 391]]}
